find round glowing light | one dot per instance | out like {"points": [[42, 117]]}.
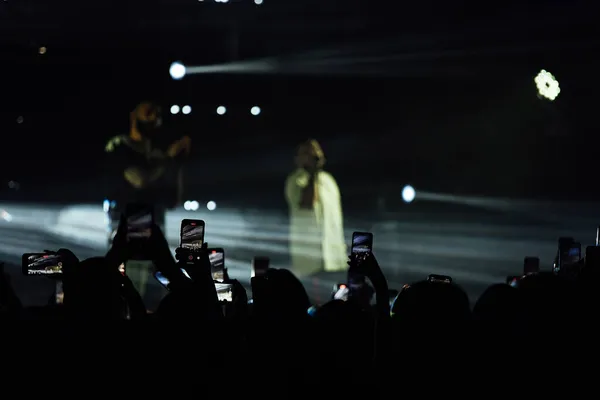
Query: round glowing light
{"points": [[177, 70], [408, 194], [547, 85]]}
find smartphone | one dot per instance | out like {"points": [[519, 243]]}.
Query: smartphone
{"points": [[362, 243], [439, 278], [217, 264], [592, 256], [362, 246], [163, 280], [60, 293], [340, 292], [531, 265], [41, 264], [260, 265], [191, 235], [570, 254], [140, 220], [224, 291], [513, 280]]}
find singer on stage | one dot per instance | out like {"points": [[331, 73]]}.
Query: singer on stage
{"points": [[316, 220]]}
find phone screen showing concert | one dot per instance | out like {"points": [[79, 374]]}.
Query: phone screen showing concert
{"points": [[139, 221], [42, 264], [362, 242], [192, 235], [224, 291], [217, 264]]}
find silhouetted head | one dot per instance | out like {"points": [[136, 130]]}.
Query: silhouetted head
{"points": [[285, 295], [432, 308], [93, 291], [147, 119], [500, 306]]}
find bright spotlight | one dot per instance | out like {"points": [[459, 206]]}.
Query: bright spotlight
{"points": [[177, 70], [194, 205], [408, 194], [211, 205], [547, 85], [174, 109], [255, 110], [186, 206], [258, 2], [186, 109], [221, 110]]}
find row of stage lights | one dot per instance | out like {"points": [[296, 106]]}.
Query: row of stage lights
{"points": [[221, 110]]}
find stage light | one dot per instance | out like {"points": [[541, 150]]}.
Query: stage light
{"points": [[255, 110], [258, 2], [221, 110], [177, 70], [408, 194], [174, 109], [186, 109], [547, 85], [191, 205], [211, 205]]}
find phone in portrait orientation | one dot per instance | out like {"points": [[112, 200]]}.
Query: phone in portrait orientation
{"points": [[41, 264], [191, 234], [362, 243], [531, 265], [260, 265], [513, 280], [362, 246], [439, 278], [164, 281], [217, 264], [564, 244], [592, 257], [224, 291], [570, 254], [59, 293], [140, 220], [340, 292]]}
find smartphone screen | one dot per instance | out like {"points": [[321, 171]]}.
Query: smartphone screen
{"points": [[513, 280], [224, 291], [531, 265], [217, 264], [439, 278], [140, 219], [41, 264], [260, 265], [340, 292], [191, 234], [60, 293], [163, 280], [362, 243], [571, 254]]}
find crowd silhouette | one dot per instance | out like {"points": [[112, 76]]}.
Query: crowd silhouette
{"points": [[276, 336]]}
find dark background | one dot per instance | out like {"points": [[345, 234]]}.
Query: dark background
{"points": [[438, 95]]}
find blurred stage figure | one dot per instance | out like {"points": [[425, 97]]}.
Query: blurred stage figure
{"points": [[316, 221], [146, 166]]}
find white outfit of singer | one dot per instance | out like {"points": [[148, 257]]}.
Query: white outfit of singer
{"points": [[317, 235]]}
